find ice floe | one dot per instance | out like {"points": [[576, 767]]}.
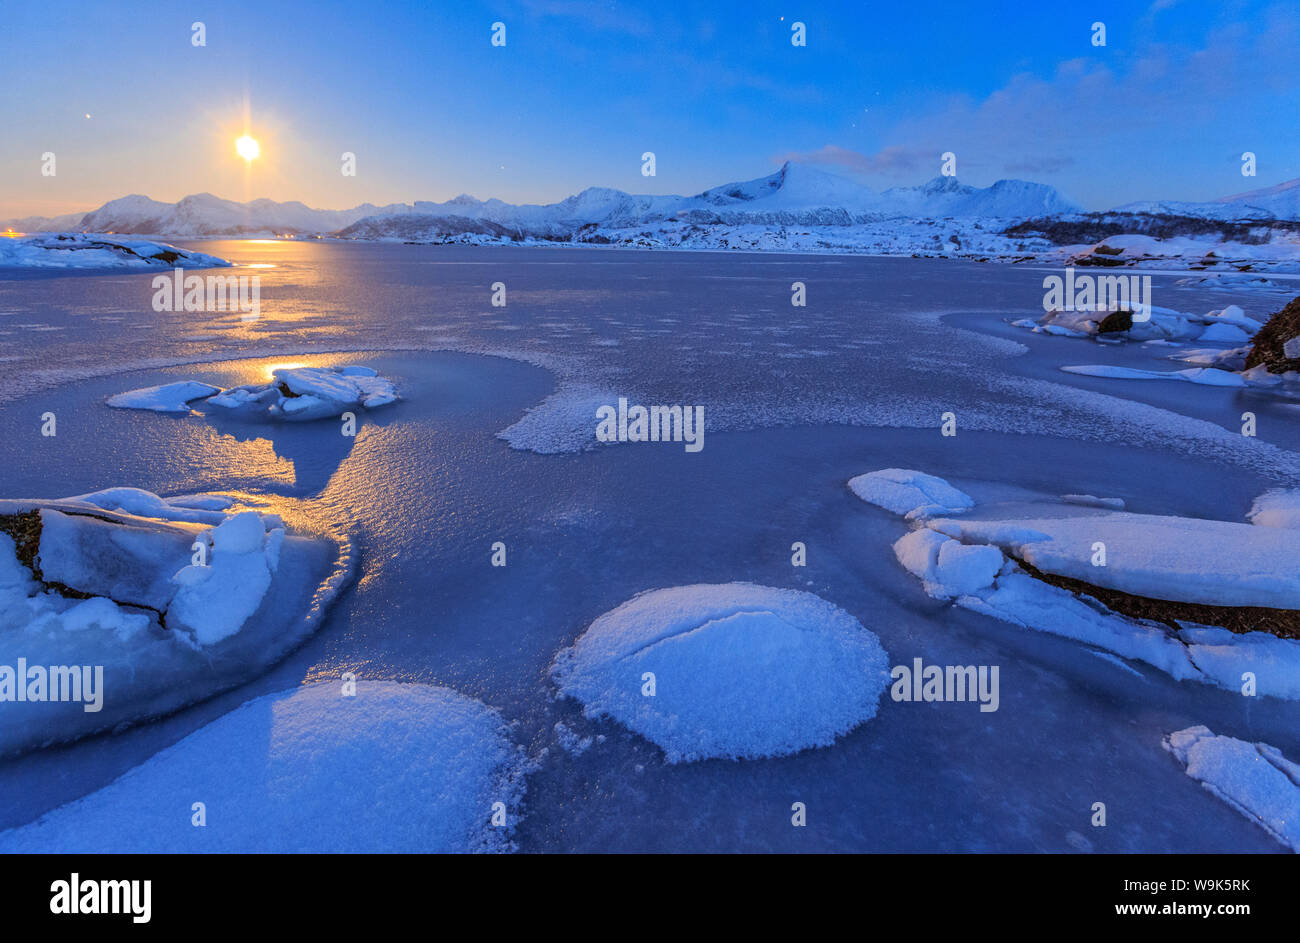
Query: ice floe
{"points": [[154, 604], [1253, 778], [167, 398], [393, 768], [78, 250], [733, 670], [294, 393]]}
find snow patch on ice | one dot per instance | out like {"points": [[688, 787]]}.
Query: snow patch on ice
{"points": [[1090, 500], [1253, 778], [907, 492], [740, 671], [1206, 376], [397, 768], [1276, 508]]}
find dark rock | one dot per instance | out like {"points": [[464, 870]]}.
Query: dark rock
{"points": [[1116, 322], [1271, 339]]}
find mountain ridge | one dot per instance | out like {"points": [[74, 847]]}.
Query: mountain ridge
{"points": [[795, 194]]}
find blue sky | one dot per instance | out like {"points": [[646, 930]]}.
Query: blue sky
{"points": [[580, 90]]}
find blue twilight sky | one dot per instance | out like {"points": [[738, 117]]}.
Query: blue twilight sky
{"points": [[581, 89]]}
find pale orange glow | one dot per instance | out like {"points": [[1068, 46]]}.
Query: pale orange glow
{"points": [[248, 148], [271, 368], [11, 234]]}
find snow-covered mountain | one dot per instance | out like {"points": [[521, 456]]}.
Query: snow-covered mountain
{"points": [[68, 222], [206, 215], [1281, 201], [794, 195]]}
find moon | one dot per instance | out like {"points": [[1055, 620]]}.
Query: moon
{"points": [[248, 148]]}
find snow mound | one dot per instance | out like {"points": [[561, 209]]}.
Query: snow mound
{"points": [[77, 250], [295, 393], [139, 607], [168, 398], [1253, 778], [739, 671], [396, 768], [906, 492], [1276, 508]]}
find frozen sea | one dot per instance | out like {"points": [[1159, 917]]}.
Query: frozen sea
{"points": [[493, 440]]}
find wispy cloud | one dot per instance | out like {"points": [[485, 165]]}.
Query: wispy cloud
{"points": [[895, 160]]}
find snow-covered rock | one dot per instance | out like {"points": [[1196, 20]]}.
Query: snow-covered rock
{"points": [[396, 768], [1253, 778], [1216, 563], [738, 670], [76, 250], [1231, 325], [972, 560], [182, 602]]}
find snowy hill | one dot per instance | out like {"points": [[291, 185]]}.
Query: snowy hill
{"points": [[68, 222], [794, 195], [206, 215], [1281, 201]]}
